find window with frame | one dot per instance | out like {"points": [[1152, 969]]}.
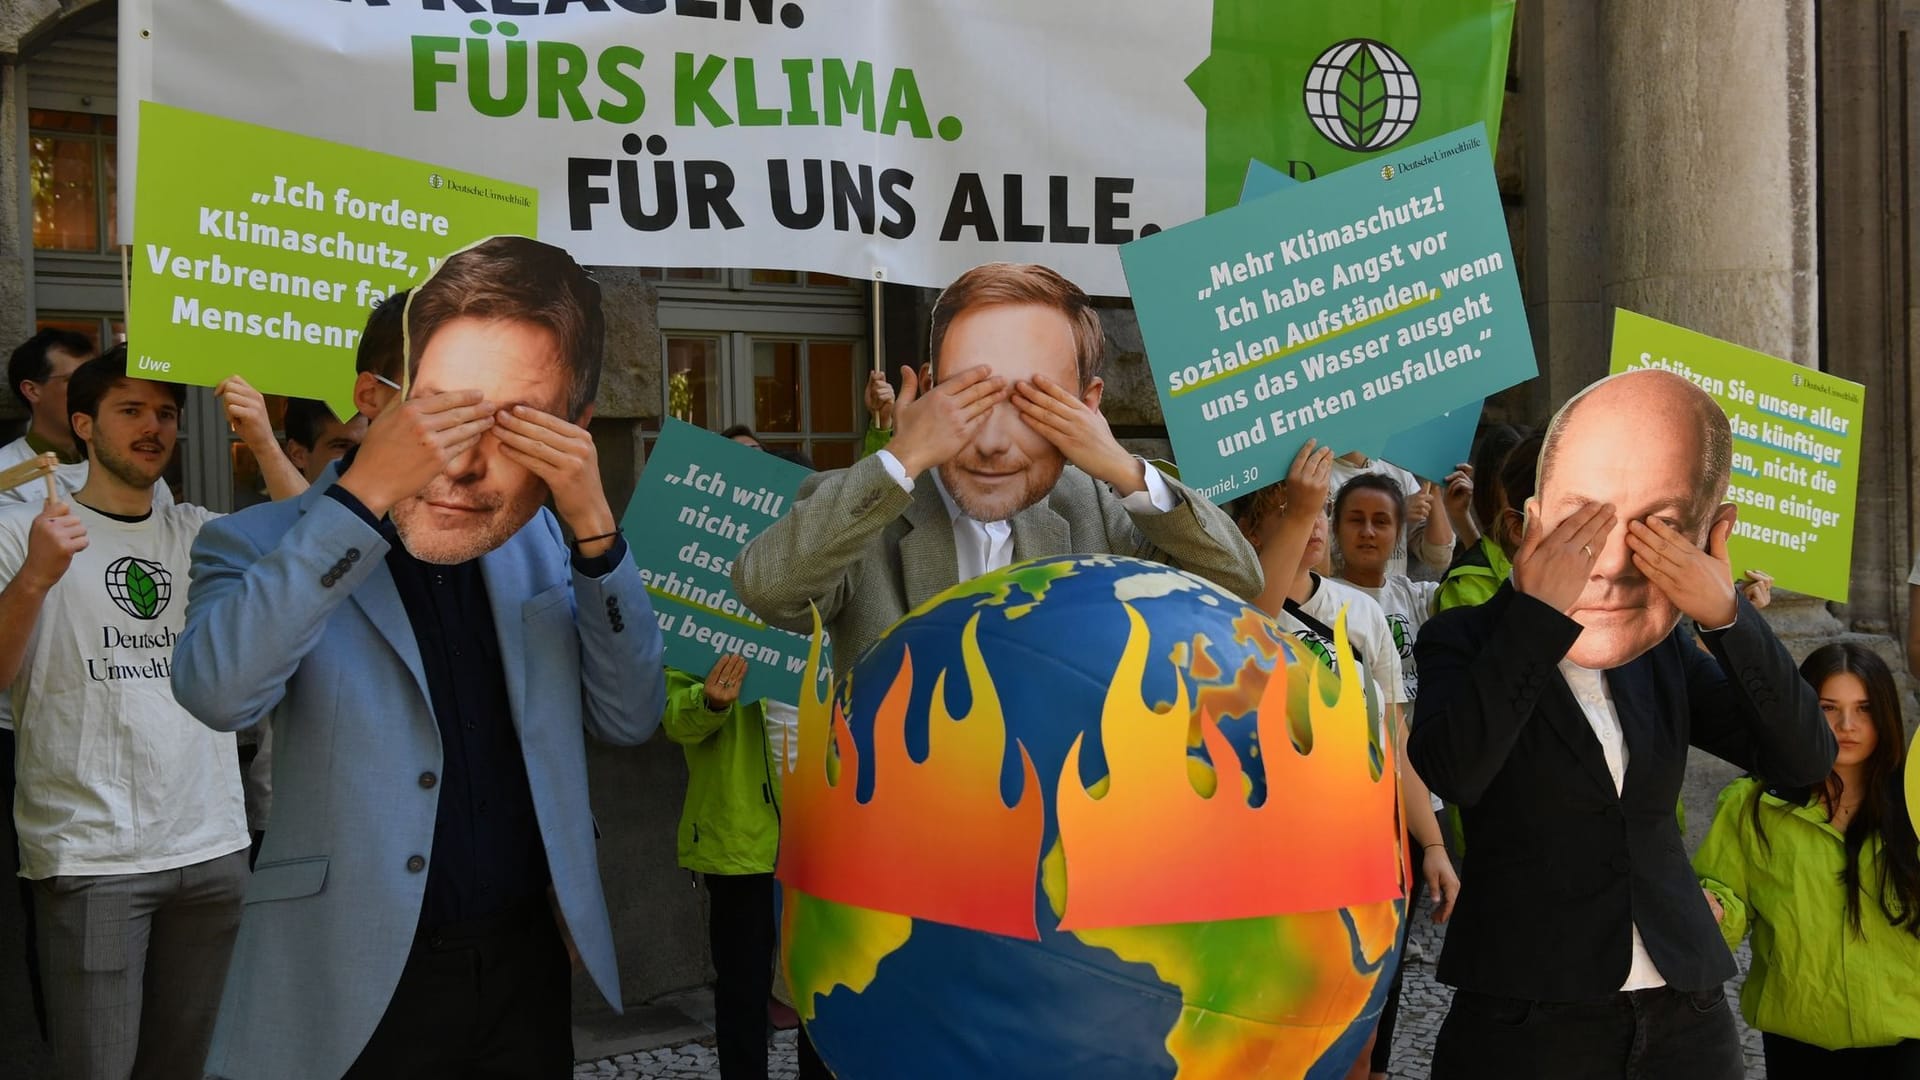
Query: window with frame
{"points": [[782, 352], [72, 174]]}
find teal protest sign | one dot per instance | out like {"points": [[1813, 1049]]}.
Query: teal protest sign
{"points": [[1796, 450], [699, 501], [267, 266], [1344, 310], [1431, 449]]}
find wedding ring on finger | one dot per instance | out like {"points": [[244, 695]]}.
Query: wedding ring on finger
{"points": [[1587, 550]]}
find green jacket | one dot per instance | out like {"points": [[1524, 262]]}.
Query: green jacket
{"points": [[875, 440], [730, 823], [1474, 577], [1811, 978]]}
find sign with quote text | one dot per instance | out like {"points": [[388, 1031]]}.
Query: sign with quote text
{"points": [[1431, 449], [699, 501], [1796, 450], [1344, 310], [259, 253]]}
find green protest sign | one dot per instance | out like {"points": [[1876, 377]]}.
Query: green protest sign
{"points": [[265, 264], [1311, 88], [1796, 450], [699, 501]]}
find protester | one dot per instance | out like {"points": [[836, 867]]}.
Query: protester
{"points": [[1426, 539], [999, 453], [1558, 715], [431, 648], [1827, 879], [130, 817], [879, 402], [730, 835], [743, 435], [1367, 517], [316, 438], [1503, 469], [1287, 526], [1367, 513]]}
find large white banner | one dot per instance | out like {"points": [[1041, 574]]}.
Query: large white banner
{"points": [[870, 138]]}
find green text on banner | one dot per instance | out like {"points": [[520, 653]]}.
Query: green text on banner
{"points": [[1796, 450], [1343, 310], [699, 501], [259, 252]]}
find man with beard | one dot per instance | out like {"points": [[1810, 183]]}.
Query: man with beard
{"points": [[999, 454], [1558, 716], [431, 648], [131, 825]]}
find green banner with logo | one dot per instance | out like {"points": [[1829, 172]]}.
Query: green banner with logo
{"points": [[1310, 87], [1796, 450], [258, 252]]}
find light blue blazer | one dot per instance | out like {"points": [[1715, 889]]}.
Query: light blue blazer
{"points": [[292, 612]]}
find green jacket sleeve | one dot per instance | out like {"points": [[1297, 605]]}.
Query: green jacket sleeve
{"points": [[1721, 862], [687, 719], [876, 441]]}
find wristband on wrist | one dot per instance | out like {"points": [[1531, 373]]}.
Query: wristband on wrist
{"points": [[578, 540]]}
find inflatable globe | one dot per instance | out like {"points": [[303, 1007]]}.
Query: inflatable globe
{"points": [[1090, 816]]}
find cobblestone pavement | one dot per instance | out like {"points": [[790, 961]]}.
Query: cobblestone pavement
{"points": [[1423, 1004]]}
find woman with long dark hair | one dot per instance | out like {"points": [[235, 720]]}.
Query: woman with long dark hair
{"points": [[1828, 881]]}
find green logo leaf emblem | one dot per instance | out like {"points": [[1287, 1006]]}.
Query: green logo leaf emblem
{"points": [[141, 590], [1363, 97], [138, 587]]}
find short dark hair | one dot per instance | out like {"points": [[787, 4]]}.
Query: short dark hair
{"points": [[522, 280], [1489, 458], [92, 380], [382, 347], [794, 454], [996, 283], [32, 362], [1519, 475], [305, 420], [738, 430], [1367, 481]]}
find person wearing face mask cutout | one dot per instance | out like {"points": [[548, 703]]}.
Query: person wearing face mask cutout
{"points": [[999, 454], [1558, 716]]}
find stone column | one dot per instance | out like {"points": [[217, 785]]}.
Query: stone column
{"points": [[1711, 217], [1710, 164]]}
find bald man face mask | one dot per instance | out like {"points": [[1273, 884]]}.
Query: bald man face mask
{"points": [[1644, 442]]}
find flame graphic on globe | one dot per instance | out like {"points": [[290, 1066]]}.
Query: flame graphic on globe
{"points": [[1090, 816]]}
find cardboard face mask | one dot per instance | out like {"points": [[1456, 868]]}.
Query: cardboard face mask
{"points": [[520, 322], [1657, 448]]}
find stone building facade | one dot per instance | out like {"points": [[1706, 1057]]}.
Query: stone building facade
{"points": [[1741, 168]]}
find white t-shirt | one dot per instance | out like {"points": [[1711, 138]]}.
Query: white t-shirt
{"points": [[1367, 631], [67, 479], [1407, 604], [783, 730], [114, 776]]}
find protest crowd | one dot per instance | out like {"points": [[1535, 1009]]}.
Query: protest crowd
{"points": [[451, 863], [302, 790]]}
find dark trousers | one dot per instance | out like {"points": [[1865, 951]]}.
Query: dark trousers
{"points": [[488, 998], [1788, 1059], [740, 932], [11, 864], [1659, 1034], [811, 1067], [1390, 1012]]}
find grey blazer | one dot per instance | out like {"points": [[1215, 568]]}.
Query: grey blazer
{"points": [[866, 552]]}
